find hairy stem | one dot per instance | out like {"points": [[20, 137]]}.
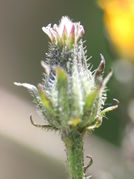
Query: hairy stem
{"points": [[74, 149]]}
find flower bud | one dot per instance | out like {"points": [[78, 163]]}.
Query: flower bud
{"points": [[71, 96]]}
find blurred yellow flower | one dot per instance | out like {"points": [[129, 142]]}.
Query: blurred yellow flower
{"points": [[119, 22]]}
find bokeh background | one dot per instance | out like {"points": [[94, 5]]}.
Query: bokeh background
{"points": [[29, 153]]}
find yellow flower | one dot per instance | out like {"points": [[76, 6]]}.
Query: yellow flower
{"points": [[119, 22]]}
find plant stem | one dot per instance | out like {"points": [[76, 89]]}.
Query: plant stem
{"points": [[74, 149]]}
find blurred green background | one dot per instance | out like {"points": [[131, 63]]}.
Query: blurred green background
{"points": [[23, 45]]}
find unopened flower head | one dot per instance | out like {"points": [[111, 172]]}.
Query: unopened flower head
{"points": [[67, 33], [71, 96]]}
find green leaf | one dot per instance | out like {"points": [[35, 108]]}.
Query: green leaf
{"points": [[90, 108], [90, 99], [77, 95], [48, 108], [99, 71], [63, 98], [110, 108], [44, 99], [32, 89]]}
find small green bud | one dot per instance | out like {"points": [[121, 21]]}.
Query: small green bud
{"points": [[71, 95]]}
